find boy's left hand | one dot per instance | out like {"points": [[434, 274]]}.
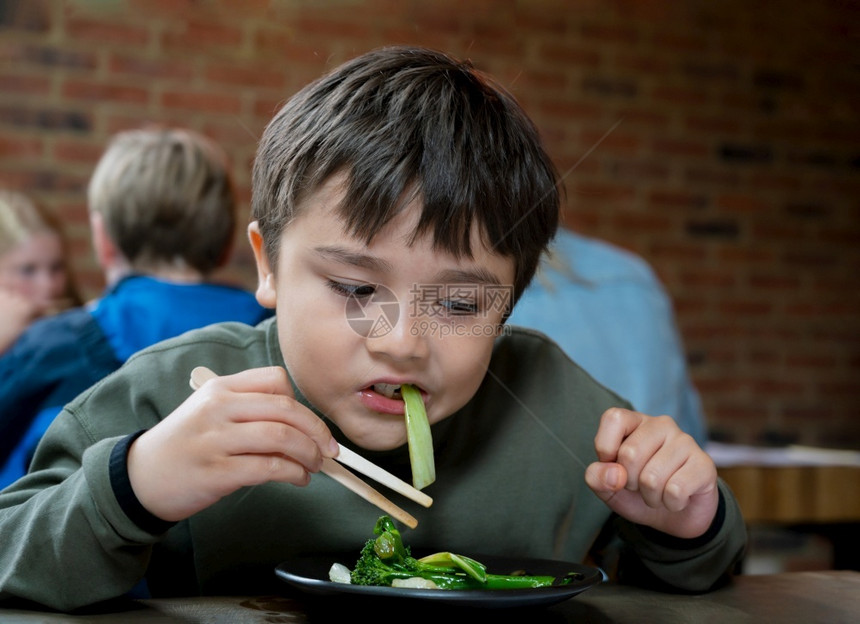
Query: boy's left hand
{"points": [[652, 473]]}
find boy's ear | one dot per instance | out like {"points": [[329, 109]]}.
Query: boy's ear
{"points": [[107, 253], [266, 285]]}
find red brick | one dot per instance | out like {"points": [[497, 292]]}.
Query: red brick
{"points": [[169, 69], [638, 223], [647, 120], [101, 92], [740, 204], [17, 148], [604, 193], [680, 147], [68, 151], [329, 26], [772, 282], [24, 85], [708, 278], [569, 55], [43, 179], [811, 361], [197, 35], [676, 252], [774, 181], [640, 65], [677, 199], [718, 125], [749, 309], [202, 102], [284, 44], [569, 110], [680, 96], [101, 32], [615, 142], [687, 43], [711, 176], [617, 32], [241, 75], [641, 169]]}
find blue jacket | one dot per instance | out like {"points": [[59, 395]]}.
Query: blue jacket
{"points": [[59, 357], [610, 313]]}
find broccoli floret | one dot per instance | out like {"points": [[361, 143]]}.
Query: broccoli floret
{"points": [[384, 559]]}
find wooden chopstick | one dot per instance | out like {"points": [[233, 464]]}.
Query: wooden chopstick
{"points": [[380, 475], [354, 483], [349, 480]]}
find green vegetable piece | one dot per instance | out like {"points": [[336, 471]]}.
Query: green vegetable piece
{"points": [[475, 569], [385, 558], [419, 438]]}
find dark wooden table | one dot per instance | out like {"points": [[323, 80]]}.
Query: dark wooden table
{"points": [[829, 597]]}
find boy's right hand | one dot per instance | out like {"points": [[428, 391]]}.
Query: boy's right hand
{"points": [[236, 430]]}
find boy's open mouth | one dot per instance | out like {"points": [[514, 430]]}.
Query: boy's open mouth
{"points": [[392, 391]]}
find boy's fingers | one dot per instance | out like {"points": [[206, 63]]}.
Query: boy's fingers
{"points": [[661, 470], [266, 380], [265, 394], [271, 438], [258, 469], [615, 425], [606, 478]]}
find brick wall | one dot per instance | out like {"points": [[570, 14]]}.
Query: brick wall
{"points": [[720, 140]]}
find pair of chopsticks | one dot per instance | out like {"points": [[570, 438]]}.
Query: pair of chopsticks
{"points": [[339, 473]]}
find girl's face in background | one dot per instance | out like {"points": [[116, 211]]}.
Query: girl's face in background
{"points": [[36, 269]]}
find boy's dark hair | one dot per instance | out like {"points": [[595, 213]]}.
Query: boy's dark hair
{"points": [[406, 123]]}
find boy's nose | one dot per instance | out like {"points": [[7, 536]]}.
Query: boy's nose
{"points": [[401, 342]]}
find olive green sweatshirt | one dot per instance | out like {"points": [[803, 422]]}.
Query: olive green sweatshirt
{"points": [[510, 481]]}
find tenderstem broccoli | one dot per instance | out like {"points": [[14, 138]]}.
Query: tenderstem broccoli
{"points": [[384, 559], [419, 438]]}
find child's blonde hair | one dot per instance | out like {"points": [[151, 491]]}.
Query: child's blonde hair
{"points": [[21, 218], [167, 198]]}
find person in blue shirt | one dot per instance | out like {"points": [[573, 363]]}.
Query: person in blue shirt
{"points": [[609, 312], [163, 215]]}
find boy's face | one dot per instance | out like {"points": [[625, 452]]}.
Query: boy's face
{"points": [[355, 320]]}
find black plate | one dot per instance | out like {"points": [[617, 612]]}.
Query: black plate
{"points": [[310, 575]]}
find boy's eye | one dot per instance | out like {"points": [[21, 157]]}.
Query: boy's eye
{"points": [[459, 308], [352, 290]]}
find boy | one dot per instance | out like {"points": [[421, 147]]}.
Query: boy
{"points": [[163, 217], [408, 174]]}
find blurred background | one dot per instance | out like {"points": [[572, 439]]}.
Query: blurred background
{"points": [[719, 140]]}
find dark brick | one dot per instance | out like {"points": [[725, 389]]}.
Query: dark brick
{"points": [[715, 228], [53, 57], [43, 179], [807, 210], [24, 15], [775, 79], [610, 87], [773, 437], [727, 72], [46, 119], [732, 152], [818, 159]]}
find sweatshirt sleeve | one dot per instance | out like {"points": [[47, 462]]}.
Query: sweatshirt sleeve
{"points": [[660, 561], [67, 542]]}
